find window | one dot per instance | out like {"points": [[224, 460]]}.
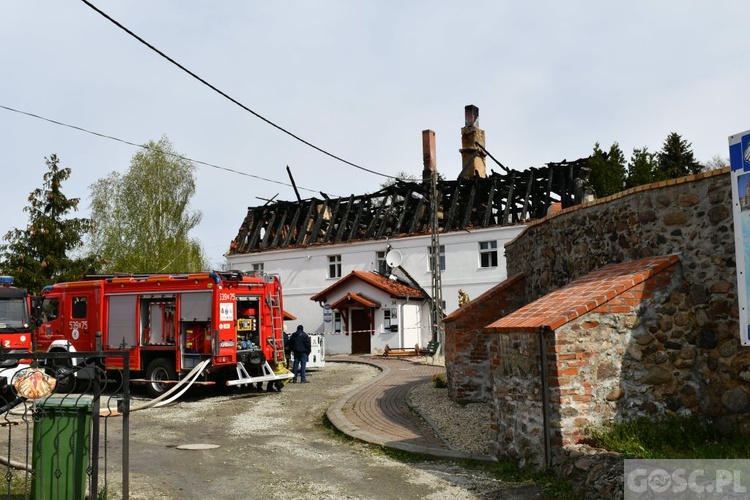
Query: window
{"points": [[334, 266], [390, 320], [441, 256], [50, 309], [488, 254], [380, 265], [336, 321], [79, 307], [258, 267]]}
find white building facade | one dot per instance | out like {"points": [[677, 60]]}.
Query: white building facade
{"points": [[472, 261]]}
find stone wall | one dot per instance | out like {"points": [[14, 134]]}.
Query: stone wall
{"points": [[686, 348], [466, 343], [691, 216]]}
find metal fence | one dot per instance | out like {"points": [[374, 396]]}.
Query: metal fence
{"points": [[64, 426]]}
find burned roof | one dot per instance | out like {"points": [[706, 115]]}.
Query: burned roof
{"points": [[403, 209]]}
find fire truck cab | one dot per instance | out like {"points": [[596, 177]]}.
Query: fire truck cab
{"points": [[171, 323], [15, 328]]}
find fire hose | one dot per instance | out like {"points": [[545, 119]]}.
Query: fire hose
{"points": [[158, 402]]}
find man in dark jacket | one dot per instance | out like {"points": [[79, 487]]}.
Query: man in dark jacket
{"points": [[301, 347]]}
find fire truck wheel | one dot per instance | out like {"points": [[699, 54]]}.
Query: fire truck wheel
{"points": [[158, 371], [65, 379]]}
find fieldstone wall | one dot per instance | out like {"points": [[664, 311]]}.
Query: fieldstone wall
{"points": [[691, 216], [686, 349], [467, 344]]}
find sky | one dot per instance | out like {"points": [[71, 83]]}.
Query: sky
{"points": [[359, 80]]}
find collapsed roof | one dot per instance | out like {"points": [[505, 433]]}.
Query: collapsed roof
{"points": [[403, 209]]}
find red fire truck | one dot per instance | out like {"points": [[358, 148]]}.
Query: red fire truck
{"points": [[171, 323], [15, 328]]}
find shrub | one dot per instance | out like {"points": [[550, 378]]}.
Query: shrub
{"points": [[439, 381]]}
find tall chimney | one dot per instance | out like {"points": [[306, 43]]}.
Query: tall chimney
{"points": [[429, 156], [472, 156]]}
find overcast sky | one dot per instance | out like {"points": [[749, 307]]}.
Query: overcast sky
{"points": [[360, 80]]}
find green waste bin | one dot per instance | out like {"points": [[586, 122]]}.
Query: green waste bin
{"points": [[62, 438]]}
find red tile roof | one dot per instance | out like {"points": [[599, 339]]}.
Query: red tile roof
{"points": [[351, 299], [396, 289], [582, 295]]}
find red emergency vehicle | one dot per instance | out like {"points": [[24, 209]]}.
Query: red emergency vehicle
{"points": [[15, 328], [171, 323]]}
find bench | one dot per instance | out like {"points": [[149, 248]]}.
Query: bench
{"points": [[401, 351], [433, 346]]}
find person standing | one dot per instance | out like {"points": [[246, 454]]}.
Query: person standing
{"points": [[301, 347]]}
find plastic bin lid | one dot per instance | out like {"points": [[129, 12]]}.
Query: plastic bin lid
{"points": [[66, 401]]}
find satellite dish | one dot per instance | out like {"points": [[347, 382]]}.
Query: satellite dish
{"points": [[393, 258]]}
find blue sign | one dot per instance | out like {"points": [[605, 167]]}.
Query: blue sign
{"points": [[739, 151], [739, 158]]}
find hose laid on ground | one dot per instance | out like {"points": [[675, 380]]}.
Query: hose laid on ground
{"points": [[156, 402], [189, 379]]}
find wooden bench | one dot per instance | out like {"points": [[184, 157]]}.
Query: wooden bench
{"points": [[432, 347], [401, 351]]}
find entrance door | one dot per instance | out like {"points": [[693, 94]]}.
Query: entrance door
{"points": [[361, 331]]}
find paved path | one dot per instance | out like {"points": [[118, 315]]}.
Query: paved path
{"points": [[379, 413]]}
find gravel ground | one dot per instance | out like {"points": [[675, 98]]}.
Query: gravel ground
{"points": [[465, 427], [276, 446]]}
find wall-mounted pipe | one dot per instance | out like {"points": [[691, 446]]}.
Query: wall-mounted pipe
{"points": [[545, 397]]}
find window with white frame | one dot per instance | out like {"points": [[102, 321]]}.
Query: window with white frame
{"points": [[380, 265], [334, 266], [488, 254], [336, 321], [390, 319], [441, 256], [258, 266]]}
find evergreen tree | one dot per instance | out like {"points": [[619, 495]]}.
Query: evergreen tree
{"points": [[40, 255], [641, 168], [676, 159], [142, 219], [607, 170]]}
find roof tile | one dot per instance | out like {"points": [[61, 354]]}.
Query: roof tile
{"points": [[582, 295]]}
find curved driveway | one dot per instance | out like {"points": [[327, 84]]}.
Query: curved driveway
{"points": [[379, 413]]}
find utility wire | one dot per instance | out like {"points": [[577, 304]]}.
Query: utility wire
{"points": [[105, 136], [227, 96]]}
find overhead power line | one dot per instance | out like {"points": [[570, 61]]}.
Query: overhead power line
{"points": [[142, 146], [227, 96]]}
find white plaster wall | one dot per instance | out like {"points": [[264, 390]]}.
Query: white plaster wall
{"points": [[304, 271]]}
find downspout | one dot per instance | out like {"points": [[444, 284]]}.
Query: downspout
{"points": [[545, 397]]}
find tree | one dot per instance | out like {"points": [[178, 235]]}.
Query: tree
{"points": [[607, 170], [716, 162], [676, 159], [41, 254], [401, 176], [641, 168], [142, 219]]}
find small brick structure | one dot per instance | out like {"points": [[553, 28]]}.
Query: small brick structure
{"points": [[467, 342]]}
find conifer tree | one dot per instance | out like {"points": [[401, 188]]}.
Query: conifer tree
{"points": [[43, 252]]}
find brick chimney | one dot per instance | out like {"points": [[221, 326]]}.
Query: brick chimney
{"points": [[472, 157], [429, 155]]}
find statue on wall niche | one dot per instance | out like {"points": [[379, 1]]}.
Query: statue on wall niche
{"points": [[582, 188], [463, 297]]}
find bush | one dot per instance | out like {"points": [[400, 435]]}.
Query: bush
{"points": [[440, 381]]}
